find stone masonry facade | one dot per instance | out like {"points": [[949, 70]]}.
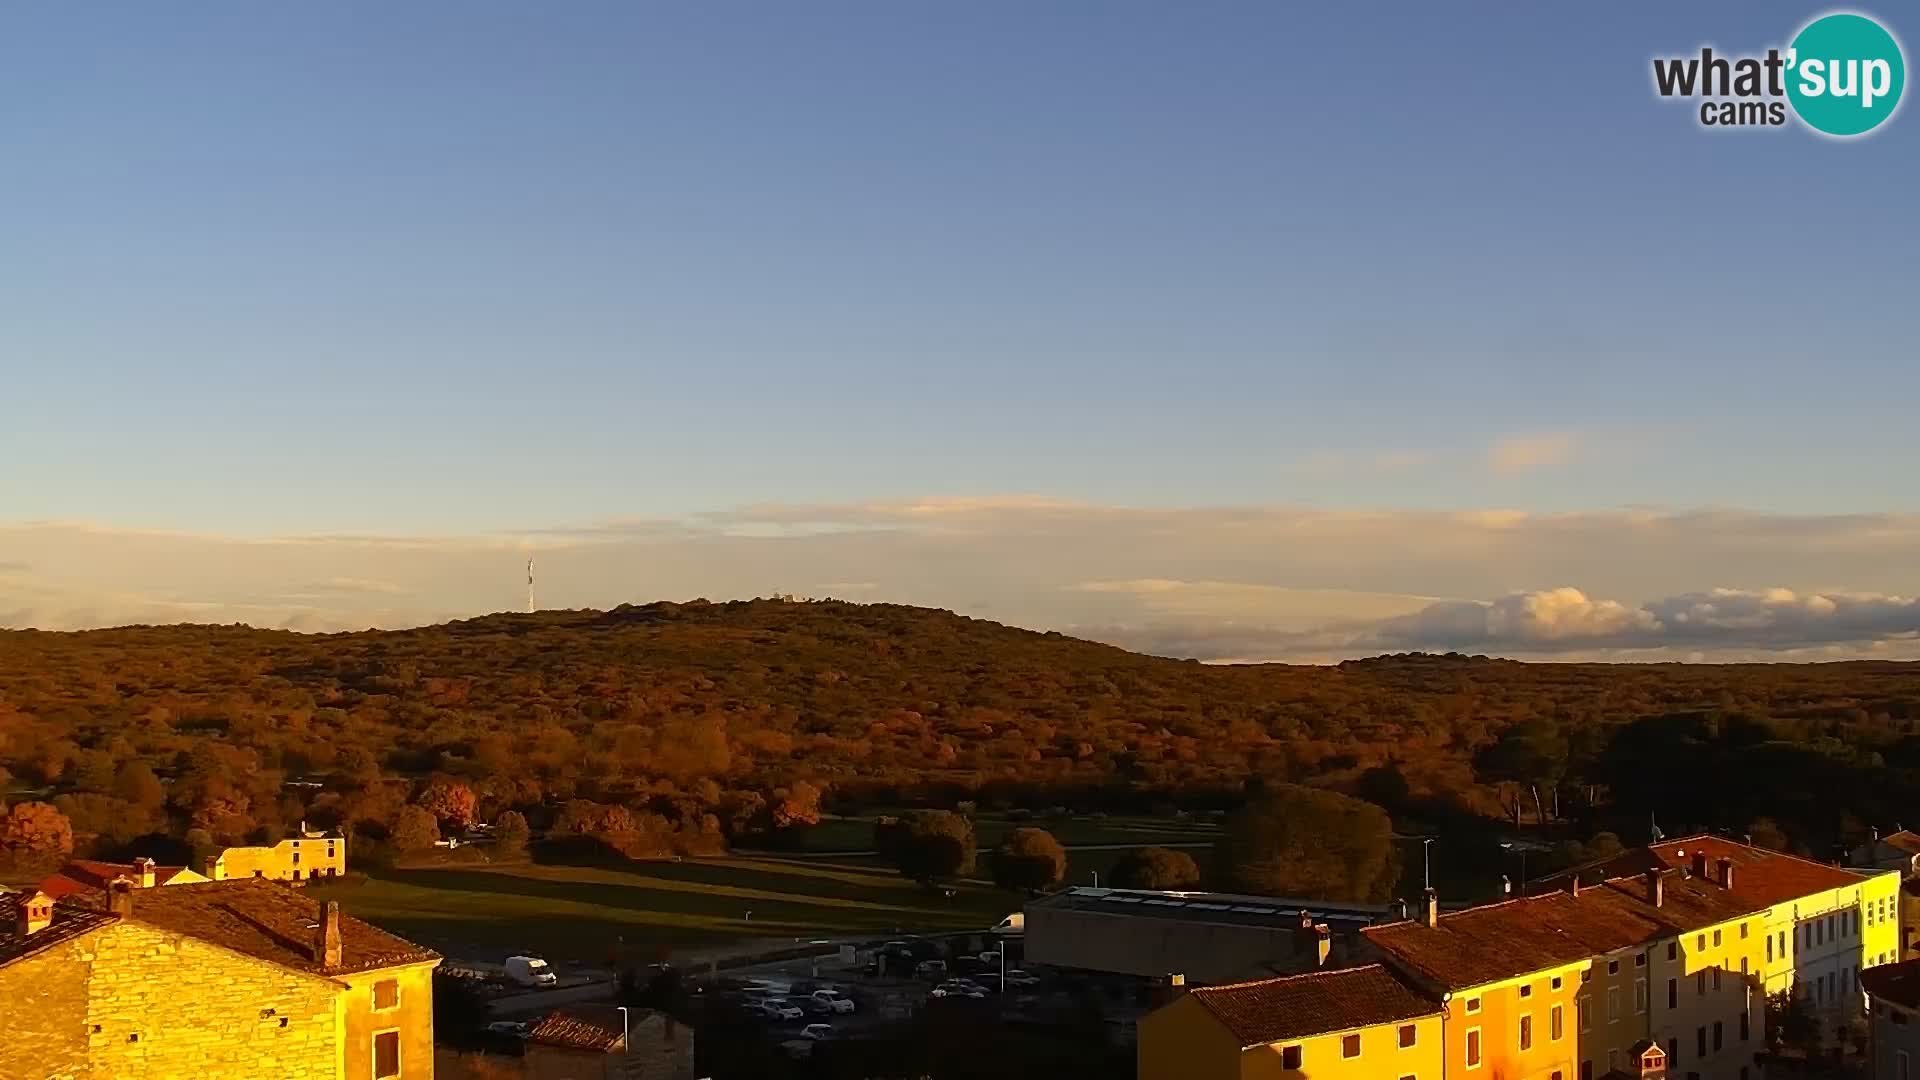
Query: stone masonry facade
{"points": [[159, 1005]]}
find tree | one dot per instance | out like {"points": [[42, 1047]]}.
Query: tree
{"points": [[1156, 868], [449, 801], [933, 845], [1768, 834], [136, 783], [34, 832], [1029, 859], [796, 806], [1302, 841], [1528, 754], [414, 829], [511, 834]]}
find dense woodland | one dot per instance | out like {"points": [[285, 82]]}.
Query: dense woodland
{"points": [[688, 726]]}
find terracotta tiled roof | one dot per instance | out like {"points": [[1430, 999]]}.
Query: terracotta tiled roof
{"points": [[593, 1028], [1905, 840], [1761, 878], [1499, 941], [88, 875], [1898, 983], [69, 922], [1296, 1006], [270, 921]]}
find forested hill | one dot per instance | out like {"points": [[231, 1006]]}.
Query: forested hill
{"points": [[686, 702]]}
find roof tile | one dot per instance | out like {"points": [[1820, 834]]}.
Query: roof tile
{"points": [[1296, 1006]]}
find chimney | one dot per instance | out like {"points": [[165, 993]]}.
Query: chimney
{"points": [[120, 896], [1726, 873], [1171, 987], [210, 868], [1656, 888], [1322, 945], [143, 870], [1400, 907], [1430, 909], [36, 913], [1700, 864], [326, 936]]}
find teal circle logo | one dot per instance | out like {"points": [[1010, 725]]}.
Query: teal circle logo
{"points": [[1845, 74]]}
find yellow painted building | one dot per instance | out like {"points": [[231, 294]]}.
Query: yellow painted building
{"points": [[310, 854], [1363, 1023], [239, 979]]}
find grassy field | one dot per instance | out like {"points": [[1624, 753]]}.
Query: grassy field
{"points": [[582, 914], [856, 833]]}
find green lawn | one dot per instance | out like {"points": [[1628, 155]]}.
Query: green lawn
{"points": [[583, 913], [856, 833]]}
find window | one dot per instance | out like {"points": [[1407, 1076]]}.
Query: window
{"points": [[1473, 1005], [1613, 1004], [1586, 1070], [1556, 982], [1526, 990], [386, 1054], [1673, 950], [1699, 983], [386, 994], [1350, 1046], [1719, 1035], [1290, 1057], [1743, 931], [1673, 1052], [1746, 1027], [1900, 1070], [1701, 943], [1716, 939], [1613, 1060], [1769, 948], [1743, 965], [1783, 944], [1639, 995], [1716, 978], [1673, 993], [1613, 967], [1583, 1013], [1408, 1035], [1640, 959], [1473, 1048], [1526, 1031], [1556, 1023], [1700, 1045]]}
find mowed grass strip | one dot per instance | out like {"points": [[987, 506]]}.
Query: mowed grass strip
{"points": [[582, 913]]}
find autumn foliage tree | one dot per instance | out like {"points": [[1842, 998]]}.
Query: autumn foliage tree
{"points": [[511, 835], [414, 829], [450, 802], [1029, 859], [1156, 868], [33, 833], [1302, 841], [929, 845]]}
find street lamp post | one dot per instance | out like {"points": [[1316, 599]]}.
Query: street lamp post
{"points": [[1426, 862]]}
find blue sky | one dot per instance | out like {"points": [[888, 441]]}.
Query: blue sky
{"points": [[470, 266], [469, 269]]}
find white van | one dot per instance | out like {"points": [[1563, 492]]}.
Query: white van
{"points": [[530, 971]]}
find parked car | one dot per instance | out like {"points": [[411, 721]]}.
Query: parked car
{"points": [[965, 988], [779, 1008], [511, 1028], [931, 969], [817, 1032], [833, 1000], [530, 971], [1017, 977]]}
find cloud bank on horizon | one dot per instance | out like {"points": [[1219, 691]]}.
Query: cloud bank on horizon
{"points": [[1216, 584]]}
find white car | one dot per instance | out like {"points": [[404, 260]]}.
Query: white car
{"points": [[817, 1032], [781, 1009], [511, 1028], [833, 1000], [1017, 977]]}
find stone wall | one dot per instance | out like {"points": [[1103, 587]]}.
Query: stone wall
{"points": [[165, 1005], [45, 1005]]}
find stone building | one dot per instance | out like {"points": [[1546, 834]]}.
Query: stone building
{"points": [[604, 1042], [311, 853], [214, 980], [86, 876]]}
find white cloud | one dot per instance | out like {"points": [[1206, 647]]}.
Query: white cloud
{"points": [[1276, 582], [1517, 453]]}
